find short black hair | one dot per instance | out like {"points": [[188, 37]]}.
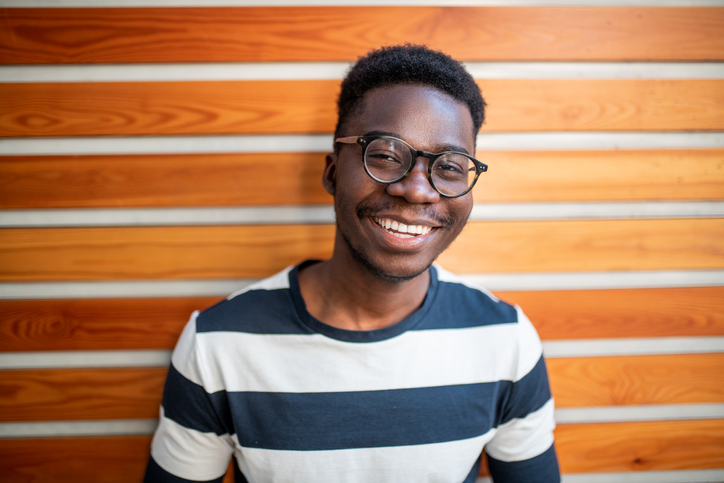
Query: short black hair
{"points": [[413, 65]]}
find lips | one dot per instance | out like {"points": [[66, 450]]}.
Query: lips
{"points": [[401, 230]]}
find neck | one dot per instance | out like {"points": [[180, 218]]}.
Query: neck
{"points": [[344, 293]]}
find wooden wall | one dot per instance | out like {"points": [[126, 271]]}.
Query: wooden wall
{"points": [[131, 194]]}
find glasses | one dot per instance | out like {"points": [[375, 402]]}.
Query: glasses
{"points": [[389, 160]]}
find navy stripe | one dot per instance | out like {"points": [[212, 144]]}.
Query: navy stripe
{"points": [[365, 419], [156, 474], [540, 469], [527, 395], [188, 404]]}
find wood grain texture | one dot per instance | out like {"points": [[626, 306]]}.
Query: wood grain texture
{"points": [[642, 446], [72, 460], [305, 106], [256, 251], [95, 324], [94, 181], [592, 314], [120, 35], [81, 394], [635, 380], [582, 448], [155, 323], [162, 180], [130, 393]]}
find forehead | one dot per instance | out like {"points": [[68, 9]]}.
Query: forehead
{"points": [[423, 116]]}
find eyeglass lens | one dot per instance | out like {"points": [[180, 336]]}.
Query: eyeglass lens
{"points": [[388, 160]]}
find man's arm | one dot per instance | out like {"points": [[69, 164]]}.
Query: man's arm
{"points": [[193, 440]]}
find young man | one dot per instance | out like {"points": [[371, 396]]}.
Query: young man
{"points": [[373, 366]]}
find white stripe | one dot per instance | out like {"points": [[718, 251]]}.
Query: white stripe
{"points": [[84, 359], [551, 349], [286, 366], [664, 412], [500, 281], [304, 3], [632, 347], [216, 71], [49, 429], [681, 476], [294, 214], [597, 280], [509, 443], [449, 461], [323, 142]]}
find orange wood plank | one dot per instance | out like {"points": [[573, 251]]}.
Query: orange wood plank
{"points": [[81, 394], [255, 251], [95, 324], [121, 393], [118, 35], [155, 323], [636, 380], [294, 178], [162, 180], [263, 107], [642, 446], [587, 314], [72, 460]]}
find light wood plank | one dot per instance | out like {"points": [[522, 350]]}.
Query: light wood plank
{"points": [[265, 107], [118, 35], [256, 251], [642, 446], [81, 394], [591, 314], [294, 178], [95, 324], [120, 393], [637, 380], [155, 323]]}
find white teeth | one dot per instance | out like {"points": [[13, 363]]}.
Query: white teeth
{"points": [[400, 229]]}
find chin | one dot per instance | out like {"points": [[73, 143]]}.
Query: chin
{"points": [[385, 272]]}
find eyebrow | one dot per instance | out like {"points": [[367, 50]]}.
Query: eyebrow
{"points": [[441, 147]]}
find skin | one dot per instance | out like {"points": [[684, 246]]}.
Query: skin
{"points": [[375, 279]]}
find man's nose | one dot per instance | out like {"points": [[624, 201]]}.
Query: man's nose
{"points": [[416, 187]]}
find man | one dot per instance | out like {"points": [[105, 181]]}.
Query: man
{"points": [[373, 366]]}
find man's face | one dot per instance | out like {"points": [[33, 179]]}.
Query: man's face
{"points": [[429, 120]]}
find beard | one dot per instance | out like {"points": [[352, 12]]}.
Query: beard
{"points": [[368, 209]]}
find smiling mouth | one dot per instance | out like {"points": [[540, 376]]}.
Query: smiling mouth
{"points": [[400, 230]]}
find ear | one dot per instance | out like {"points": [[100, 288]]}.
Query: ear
{"points": [[329, 176]]}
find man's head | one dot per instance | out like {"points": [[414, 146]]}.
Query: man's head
{"points": [[408, 65], [396, 229]]}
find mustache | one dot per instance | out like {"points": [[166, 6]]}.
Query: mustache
{"points": [[367, 209]]}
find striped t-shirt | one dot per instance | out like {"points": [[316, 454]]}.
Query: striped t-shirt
{"points": [[292, 399]]}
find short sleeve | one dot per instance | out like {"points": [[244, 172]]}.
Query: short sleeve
{"points": [[193, 441], [522, 448]]}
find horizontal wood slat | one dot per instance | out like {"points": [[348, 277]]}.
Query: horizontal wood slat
{"points": [[307, 106], [256, 251], [590, 314], [120, 393], [119, 35], [111, 324], [637, 380], [155, 323], [582, 448], [642, 446], [294, 178]]}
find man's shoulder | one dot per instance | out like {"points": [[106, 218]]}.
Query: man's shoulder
{"points": [[264, 307], [470, 304]]}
